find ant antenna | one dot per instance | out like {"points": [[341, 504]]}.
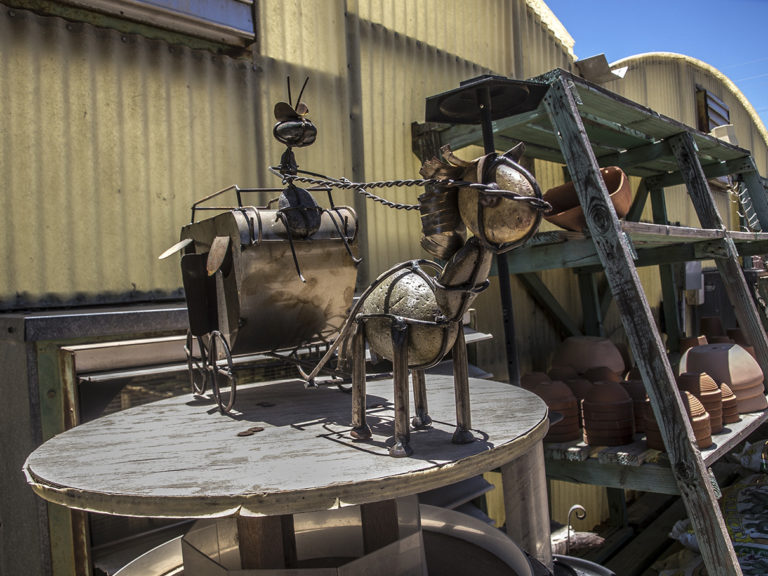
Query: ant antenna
{"points": [[288, 78], [302, 91]]}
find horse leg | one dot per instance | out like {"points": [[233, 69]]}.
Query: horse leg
{"points": [[421, 419], [462, 434], [402, 438], [360, 428]]}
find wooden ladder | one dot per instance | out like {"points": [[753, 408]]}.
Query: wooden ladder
{"points": [[615, 253]]}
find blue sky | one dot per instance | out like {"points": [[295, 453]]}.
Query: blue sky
{"points": [[730, 35]]}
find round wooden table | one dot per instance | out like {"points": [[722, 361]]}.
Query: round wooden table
{"points": [[287, 450]]}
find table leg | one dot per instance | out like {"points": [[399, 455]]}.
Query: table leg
{"points": [[524, 483], [266, 542], [380, 524]]}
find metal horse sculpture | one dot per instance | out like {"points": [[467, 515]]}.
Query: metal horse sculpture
{"points": [[414, 318]]}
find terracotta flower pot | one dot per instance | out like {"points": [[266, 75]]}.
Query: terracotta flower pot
{"points": [[608, 415], [636, 390], [730, 405], [558, 398], [706, 390], [566, 209], [686, 343], [730, 364], [585, 352]]}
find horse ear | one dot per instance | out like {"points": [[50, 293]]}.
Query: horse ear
{"points": [[515, 153]]}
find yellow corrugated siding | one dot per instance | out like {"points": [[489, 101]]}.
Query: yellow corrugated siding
{"points": [[107, 138]]}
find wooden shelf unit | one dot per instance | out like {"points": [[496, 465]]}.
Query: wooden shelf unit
{"points": [[585, 127]]}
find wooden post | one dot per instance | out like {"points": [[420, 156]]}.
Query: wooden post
{"points": [[686, 463], [730, 271], [526, 508], [380, 524], [266, 542]]}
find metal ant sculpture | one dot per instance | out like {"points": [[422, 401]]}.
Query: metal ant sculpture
{"points": [[241, 297], [413, 318]]}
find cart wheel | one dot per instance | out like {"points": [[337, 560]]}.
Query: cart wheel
{"points": [[197, 365], [223, 378]]}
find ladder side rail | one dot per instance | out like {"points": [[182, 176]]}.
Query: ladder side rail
{"points": [[687, 465], [728, 266]]}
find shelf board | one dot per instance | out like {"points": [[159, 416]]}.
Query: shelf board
{"points": [[653, 244], [635, 466]]}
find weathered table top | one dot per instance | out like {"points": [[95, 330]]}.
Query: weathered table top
{"points": [[181, 458]]}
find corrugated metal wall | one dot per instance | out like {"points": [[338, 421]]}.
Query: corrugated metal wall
{"points": [[106, 140], [108, 137]]}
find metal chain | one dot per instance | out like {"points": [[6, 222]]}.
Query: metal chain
{"points": [[360, 188]]}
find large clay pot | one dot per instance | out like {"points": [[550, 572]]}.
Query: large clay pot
{"points": [[733, 365], [585, 352], [566, 209]]}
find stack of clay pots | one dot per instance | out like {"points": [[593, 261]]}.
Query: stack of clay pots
{"points": [[706, 390], [593, 368], [730, 405], [732, 365], [608, 415], [559, 399], [697, 415], [636, 390]]}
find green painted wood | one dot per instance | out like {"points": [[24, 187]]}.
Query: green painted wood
{"points": [[590, 304], [654, 477], [558, 315], [649, 351], [757, 193], [730, 271], [669, 292], [638, 202]]}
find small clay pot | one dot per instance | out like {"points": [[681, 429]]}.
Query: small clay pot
{"points": [[697, 415], [703, 387], [608, 415], [730, 405], [692, 341], [559, 398], [636, 390], [699, 418], [566, 209]]}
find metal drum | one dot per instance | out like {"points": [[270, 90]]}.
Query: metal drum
{"points": [[256, 297]]}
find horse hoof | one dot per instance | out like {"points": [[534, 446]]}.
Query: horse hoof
{"points": [[462, 436], [361, 432], [419, 422], [400, 450]]}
